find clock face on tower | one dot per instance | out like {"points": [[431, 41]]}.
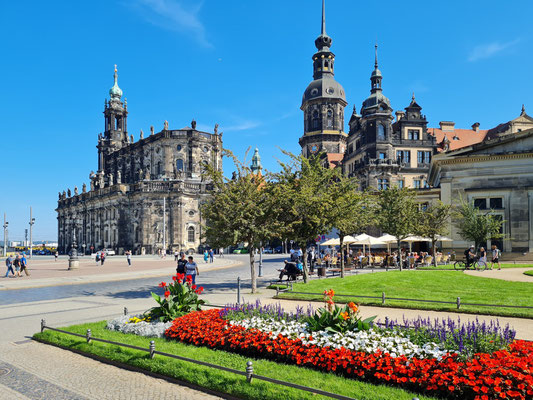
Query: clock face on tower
{"points": [[313, 148]]}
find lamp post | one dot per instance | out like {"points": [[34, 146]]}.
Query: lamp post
{"points": [[260, 259], [73, 262], [83, 246], [5, 234], [32, 221]]}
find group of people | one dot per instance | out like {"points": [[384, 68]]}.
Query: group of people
{"points": [[209, 255], [17, 266], [188, 267], [471, 256]]}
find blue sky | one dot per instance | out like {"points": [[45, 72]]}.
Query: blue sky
{"points": [[242, 64]]}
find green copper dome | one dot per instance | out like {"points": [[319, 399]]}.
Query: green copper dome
{"points": [[115, 92]]}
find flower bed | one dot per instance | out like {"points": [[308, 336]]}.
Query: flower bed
{"points": [[504, 374]]}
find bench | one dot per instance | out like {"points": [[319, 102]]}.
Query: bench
{"points": [[338, 270]]}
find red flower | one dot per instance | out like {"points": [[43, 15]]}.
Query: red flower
{"points": [[174, 278], [163, 284], [167, 293]]}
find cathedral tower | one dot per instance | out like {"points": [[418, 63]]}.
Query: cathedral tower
{"points": [[323, 104]]}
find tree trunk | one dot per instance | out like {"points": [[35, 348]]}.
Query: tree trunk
{"points": [[305, 272], [252, 268], [433, 246], [341, 238], [400, 263]]}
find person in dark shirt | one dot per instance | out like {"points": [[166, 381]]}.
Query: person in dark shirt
{"points": [[181, 264], [470, 255], [291, 270]]}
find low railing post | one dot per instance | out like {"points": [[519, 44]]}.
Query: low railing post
{"points": [[382, 298], [152, 348], [249, 371], [277, 291], [238, 290], [43, 325], [458, 302], [125, 310], [88, 335]]}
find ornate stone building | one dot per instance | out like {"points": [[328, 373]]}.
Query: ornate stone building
{"points": [[145, 195]]}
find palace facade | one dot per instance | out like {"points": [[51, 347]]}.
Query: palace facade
{"points": [[145, 195]]}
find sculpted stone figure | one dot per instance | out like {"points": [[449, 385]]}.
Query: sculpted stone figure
{"points": [[75, 191], [59, 193], [141, 174], [110, 177], [92, 184], [165, 125], [151, 130], [69, 193], [193, 124], [142, 134], [119, 177], [64, 195], [216, 129], [84, 188], [147, 176], [131, 138]]}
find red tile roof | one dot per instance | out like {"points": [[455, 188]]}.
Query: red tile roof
{"points": [[458, 137]]}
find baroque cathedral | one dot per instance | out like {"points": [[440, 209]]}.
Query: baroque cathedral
{"points": [[145, 195]]}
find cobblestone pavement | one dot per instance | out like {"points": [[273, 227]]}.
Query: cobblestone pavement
{"points": [[507, 274], [38, 371]]}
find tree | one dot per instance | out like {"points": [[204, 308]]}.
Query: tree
{"points": [[352, 211], [432, 223], [476, 225], [397, 214], [303, 199], [238, 210]]}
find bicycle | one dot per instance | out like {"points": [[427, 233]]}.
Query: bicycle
{"points": [[461, 265]]}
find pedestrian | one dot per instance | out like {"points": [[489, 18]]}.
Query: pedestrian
{"points": [[182, 262], [24, 265], [206, 255], [102, 258], [56, 254], [221, 252], [482, 256], [128, 257], [496, 254], [176, 255], [97, 258], [211, 255], [191, 269], [16, 265], [9, 265]]}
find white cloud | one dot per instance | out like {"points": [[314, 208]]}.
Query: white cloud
{"points": [[173, 15], [490, 49], [241, 126]]}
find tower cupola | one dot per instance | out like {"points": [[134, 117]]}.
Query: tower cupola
{"points": [[115, 92]]}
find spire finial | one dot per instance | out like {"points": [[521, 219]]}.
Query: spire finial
{"points": [[115, 91], [523, 110], [323, 17], [413, 98], [376, 50]]}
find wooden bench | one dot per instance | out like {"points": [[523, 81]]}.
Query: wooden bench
{"points": [[338, 270]]}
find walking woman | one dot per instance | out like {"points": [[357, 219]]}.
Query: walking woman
{"points": [[482, 257]]}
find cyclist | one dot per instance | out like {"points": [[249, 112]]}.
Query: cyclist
{"points": [[470, 256]]}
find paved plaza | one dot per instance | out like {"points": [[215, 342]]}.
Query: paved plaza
{"points": [[30, 370]]}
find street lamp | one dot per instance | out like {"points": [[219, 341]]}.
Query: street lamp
{"points": [[5, 234], [83, 245], [260, 259], [32, 221]]}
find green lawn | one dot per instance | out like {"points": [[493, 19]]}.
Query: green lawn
{"points": [[449, 267], [530, 273], [437, 285], [220, 381]]}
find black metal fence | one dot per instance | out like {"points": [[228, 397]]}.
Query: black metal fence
{"points": [[383, 299], [248, 371]]}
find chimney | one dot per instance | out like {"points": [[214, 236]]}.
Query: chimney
{"points": [[475, 126], [447, 125], [399, 115]]}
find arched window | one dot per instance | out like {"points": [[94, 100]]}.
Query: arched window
{"points": [[330, 119], [316, 120], [190, 234], [381, 132], [179, 164], [159, 168]]}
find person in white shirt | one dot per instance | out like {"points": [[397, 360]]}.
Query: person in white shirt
{"points": [[496, 253], [191, 268]]}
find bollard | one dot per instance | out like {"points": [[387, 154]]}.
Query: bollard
{"points": [[249, 371], [125, 310], [152, 348], [43, 325], [458, 302], [88, 335], [277, 291], [238, 290], [382, 298]]}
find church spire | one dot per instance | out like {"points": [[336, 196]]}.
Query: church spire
{"points": [[115, 92], [376, 55], [376, 76], [256, 166], [323, 42], [324, 18]]}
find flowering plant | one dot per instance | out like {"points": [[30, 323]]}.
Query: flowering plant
{"points": [[335, 319], [180, 298]]}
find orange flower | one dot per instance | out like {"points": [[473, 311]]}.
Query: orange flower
{"points": [[352, 306], [344, 315]]}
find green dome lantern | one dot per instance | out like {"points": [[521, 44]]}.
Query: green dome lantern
{"points": [[115, 92]]}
